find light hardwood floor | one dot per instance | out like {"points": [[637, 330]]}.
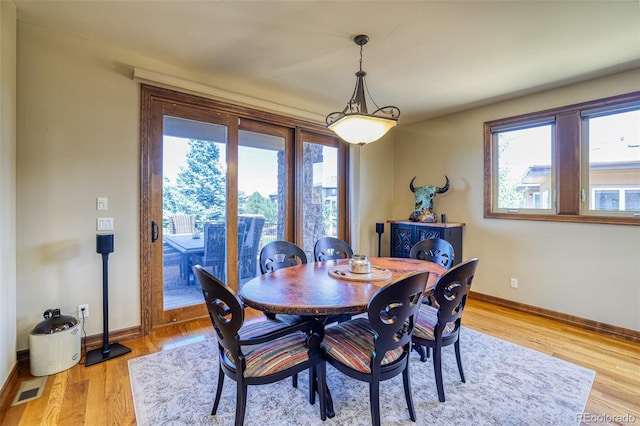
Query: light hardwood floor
{"points": [[101, 394]]}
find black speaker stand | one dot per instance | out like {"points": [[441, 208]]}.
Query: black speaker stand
{"points": [[96, 356], [106, 352], [379, 231]]}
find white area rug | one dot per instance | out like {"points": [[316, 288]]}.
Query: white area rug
{"points": [[506, 384]]}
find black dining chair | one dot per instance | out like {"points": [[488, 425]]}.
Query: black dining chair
{"points": [[377, 348], [263, 352], [276, 255], [439, 326], [434, 250], [330, 248], [281, 254]]}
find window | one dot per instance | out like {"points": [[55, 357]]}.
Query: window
{"points": [[524, 168], [612, 150], [578, 163], [322, 190]]}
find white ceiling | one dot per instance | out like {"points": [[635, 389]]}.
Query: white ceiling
{"points": [[426, 57]]}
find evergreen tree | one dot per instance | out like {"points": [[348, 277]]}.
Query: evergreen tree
{"points": [[200, 187], [257, 204]]}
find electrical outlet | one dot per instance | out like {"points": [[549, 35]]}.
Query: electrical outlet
{"points": [[514, 283], [104, 224], [84, 314]]}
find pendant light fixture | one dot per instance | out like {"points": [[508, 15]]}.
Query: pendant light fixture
{"points": [[354, 123]]}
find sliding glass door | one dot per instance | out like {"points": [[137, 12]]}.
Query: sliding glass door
{"points": [[218, 182], [193, 206], [322, 190], [263, 194]]}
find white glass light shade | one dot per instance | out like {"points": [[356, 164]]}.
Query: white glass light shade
{"points": [[362, 129]]}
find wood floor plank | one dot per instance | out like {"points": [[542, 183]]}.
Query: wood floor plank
{"points": [[101, 394], [56, 398], [74, 405], [96, 402]]}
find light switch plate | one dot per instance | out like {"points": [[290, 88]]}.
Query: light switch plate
{"points": [[101, 203]]}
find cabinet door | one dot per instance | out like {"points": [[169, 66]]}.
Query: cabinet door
{"points": [[402, 238], [454, 236], [425, 233]]}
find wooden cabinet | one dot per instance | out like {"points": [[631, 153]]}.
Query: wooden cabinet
{"points": [[404, 234]]}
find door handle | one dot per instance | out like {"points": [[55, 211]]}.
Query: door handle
{"points": [[154, 231]]}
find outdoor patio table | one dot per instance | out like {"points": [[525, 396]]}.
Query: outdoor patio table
{"points": [[187, 245]]}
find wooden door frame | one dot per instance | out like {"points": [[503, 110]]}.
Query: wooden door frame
{"points": [[305, 135], [154, 109], [149, 95]]}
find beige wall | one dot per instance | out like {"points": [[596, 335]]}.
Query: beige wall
{"points": [[78, 138], [588, 270], [376, 192], [7, 189]]}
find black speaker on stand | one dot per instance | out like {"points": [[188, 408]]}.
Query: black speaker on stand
{"points": [[379, 231], [104, 246]]}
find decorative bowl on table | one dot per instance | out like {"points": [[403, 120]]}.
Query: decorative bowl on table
{"points": [[359, 264]]}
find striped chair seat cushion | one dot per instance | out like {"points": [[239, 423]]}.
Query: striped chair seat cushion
{"points": [[426, 322], [271, 357], [351, 343], [274, 356], [260, 328]]}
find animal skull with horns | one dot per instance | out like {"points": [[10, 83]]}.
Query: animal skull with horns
{"points": [[423, 211]]}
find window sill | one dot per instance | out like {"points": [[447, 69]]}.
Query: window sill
{"points": [[604, 220]]}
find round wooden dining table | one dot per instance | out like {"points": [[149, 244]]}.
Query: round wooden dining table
{"points": [[328, 289], [323, 289]]}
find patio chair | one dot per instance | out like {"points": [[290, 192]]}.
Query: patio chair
{"points": [[182, 223], [253, 232], [215, 248], [172, 267]]}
